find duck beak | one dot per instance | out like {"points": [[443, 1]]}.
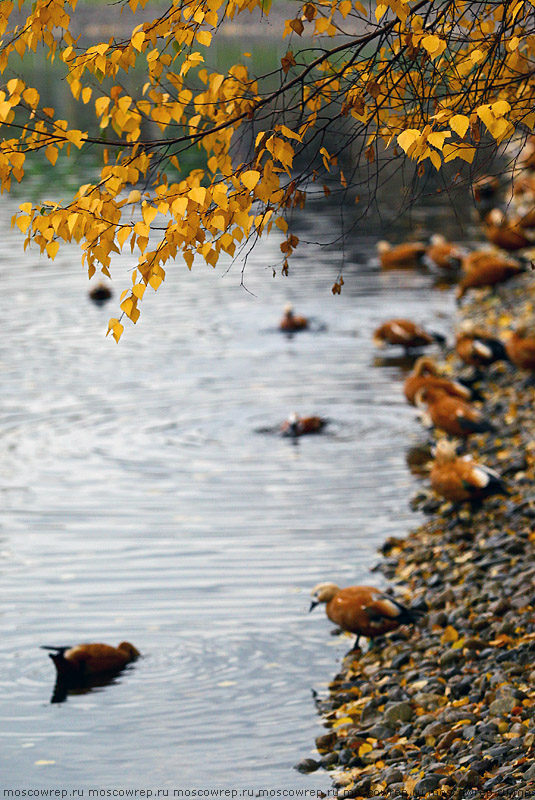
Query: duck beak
{"points": [[313, 605]]}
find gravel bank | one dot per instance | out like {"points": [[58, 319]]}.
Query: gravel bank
{"points": [[448, 708]]}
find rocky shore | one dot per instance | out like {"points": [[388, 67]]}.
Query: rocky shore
{"points": [[448, 708]]}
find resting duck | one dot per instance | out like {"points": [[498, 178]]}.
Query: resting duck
{"points": [[405, 333], [504, 233], [520, 348], [401, 256], [476, 348], [363, 610], [526, 218], [485, 268], [443, 254], [100, 294], [485, 187], [459, 479], [299, 426], [451, 414], [425, 373], [292, 322], [75, 663]]}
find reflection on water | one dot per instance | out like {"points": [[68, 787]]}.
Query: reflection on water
{"points": [[140, 503]]}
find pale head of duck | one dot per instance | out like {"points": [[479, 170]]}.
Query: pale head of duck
{"points": [[445, 451], [323, 593], [425, 366]]}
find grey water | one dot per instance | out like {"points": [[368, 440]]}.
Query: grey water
{"points": [[142, 499]]}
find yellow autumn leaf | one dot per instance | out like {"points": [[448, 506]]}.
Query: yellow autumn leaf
{"points": [[51, 153], [380, 11], [289, 133], [408, 138], [452, 151], [500, 108], [31, 96], [5, 110], [23, 223], [101, 105], [437, 138], [364, 748], [459, 123], [435, 159], [76, 137], [198, 195], [250, 178], [137, 40], [204, 38], [52, 249], [450, 635], [431, 43], [117, 331], [148, 213], [134, 196]]}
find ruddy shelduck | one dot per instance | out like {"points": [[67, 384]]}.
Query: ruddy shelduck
{"points": [[460, 479], [451, 414], [504, 233], [362, 610], [425, 374], [486, 269], [299, 426], [291, 322], [477, 348], [405, 333], [442, 253], [400, 256], [100, 293], [521, 348], [84, 660]]}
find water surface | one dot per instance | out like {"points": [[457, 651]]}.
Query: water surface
{"points": [[140, 502]]}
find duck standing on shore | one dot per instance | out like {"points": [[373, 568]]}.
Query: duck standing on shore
{"points": [[405, 333], [425, 374], [520, 348], [504, 233], [362, 610], [485, 268], [477, 348], [451, 414], [460, 479]]}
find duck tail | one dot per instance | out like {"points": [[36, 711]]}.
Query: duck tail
{"points": [[527, 264], [439, 338], [499, 352], [497, 485], [413, 615]]}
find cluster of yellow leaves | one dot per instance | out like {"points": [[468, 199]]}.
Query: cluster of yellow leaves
{"points": [[433, 85]]}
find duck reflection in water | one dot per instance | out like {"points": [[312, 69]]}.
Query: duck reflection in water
{"points": [[84, 667]]}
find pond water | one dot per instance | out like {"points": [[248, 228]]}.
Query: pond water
{"points": [[140, 501]]}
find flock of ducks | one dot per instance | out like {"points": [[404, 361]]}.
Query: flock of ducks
{"points": [[446, 403]]}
